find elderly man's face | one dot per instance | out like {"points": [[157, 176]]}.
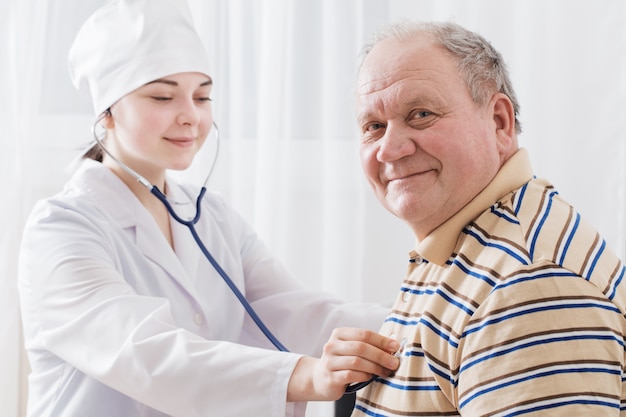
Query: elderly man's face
{"points": [[426, 147]]}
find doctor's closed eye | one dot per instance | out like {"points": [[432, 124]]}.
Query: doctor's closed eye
{"points": [[201, 98]]}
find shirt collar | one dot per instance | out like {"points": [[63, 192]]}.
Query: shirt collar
{"points": [[439, 244]]}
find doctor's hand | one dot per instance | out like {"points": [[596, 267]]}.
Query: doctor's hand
{"points": [[351, 355]]}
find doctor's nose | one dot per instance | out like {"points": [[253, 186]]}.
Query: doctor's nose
{"points": [[189, 113]]}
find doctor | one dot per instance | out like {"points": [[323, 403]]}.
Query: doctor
{"points": [[122, 314]]}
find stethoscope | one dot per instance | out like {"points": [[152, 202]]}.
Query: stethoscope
{"points": [[190, 224]]}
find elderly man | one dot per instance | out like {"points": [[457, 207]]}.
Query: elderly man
{"points": [[512, 304]]}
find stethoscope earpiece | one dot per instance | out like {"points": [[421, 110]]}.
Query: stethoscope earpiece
{"points": [[140, 178]]}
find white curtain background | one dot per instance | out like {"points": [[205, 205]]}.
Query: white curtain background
{"points": [[284, 76]]}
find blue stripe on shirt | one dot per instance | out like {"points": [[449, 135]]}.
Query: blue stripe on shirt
{"points": [[557, 339], [562, 273], [403, 387], [595, 260], [520, 197], [504, 215], [368, 411], [582, 370], [502, 247], [569, 239], [442, 294], [617, 282], [541, 309], [474, 274], [546, 214], [560, 404]]}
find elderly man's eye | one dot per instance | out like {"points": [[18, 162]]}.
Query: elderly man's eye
{"points": [[372, 131], [372, 127], [422, 119], [422, 113]]}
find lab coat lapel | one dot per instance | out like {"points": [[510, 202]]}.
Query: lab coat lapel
{"points": [[186, 248], [154, 246], [131, 215]]}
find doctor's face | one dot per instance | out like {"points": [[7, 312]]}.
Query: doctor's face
{"points": [[427, 148], [162, 124]]}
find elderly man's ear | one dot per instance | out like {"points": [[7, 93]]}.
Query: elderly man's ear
{"points": [[504, 122]]}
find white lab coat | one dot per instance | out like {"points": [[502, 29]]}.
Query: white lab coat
{"points": [[118, 324]]}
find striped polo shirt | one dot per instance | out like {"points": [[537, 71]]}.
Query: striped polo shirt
{"points": [[513, 307]]}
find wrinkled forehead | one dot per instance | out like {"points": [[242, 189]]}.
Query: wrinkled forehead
{"points": [[393, 59], [399, 70]]}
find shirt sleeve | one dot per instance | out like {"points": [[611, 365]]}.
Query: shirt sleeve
{"points": [[544, 343]]}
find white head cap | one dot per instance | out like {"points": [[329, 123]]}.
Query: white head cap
{"points": [[128, 43]]}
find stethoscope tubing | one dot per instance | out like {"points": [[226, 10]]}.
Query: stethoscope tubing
{"points": [[190, 224], [242, 299]]}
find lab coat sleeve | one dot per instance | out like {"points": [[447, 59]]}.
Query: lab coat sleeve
{"points": [[77, 307], [302, 320]]}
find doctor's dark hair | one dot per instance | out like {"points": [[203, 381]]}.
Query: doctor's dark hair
{"points": [[95, 152], [479, 63]]}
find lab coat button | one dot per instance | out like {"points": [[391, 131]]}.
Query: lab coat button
{"points": [[198, 319]]}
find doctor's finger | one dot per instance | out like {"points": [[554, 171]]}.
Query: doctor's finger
{"points": [[366, 336], [360, 365], [359, 356]]}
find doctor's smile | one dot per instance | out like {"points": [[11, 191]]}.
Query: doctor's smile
{"points": [[182, 141]]}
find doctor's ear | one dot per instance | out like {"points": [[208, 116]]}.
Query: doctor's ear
{"points": [[107, 121]]}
